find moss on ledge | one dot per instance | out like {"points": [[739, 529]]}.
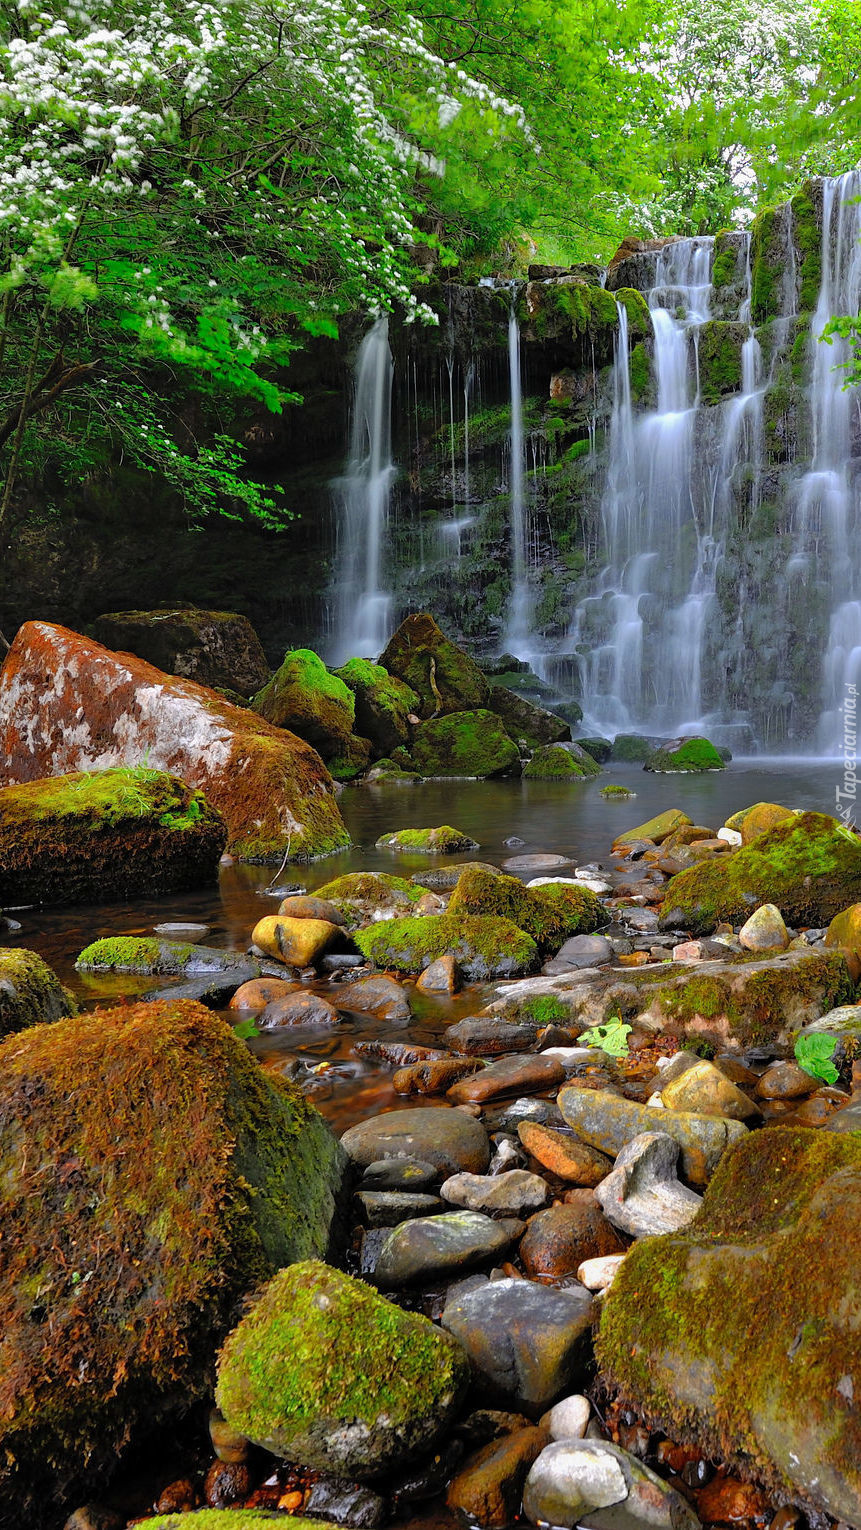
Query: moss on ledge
{"points": [[482, 946]]}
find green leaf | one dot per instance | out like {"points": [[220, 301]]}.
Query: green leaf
{"points": [[612, 1037], [814, 1054], [246, 1030]]}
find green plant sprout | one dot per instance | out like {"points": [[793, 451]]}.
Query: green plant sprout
{"points": [[815, 1055], [611, 1037]]}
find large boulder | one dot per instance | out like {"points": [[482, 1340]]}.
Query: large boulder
{"points": [[30, 993], [218, 648], [561, 762], [482, 947], [523, 719], [688, 756], [103, 836], [383, 704], [809, 866], [303, 696], [741, 1333], [325, 1372], [464, 744], [444, 677], [68, 704], [137, 1208], [549, 914], [364, 896]]}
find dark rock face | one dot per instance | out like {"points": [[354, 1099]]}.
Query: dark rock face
{"points": [[218, 648], [712, 1332]]}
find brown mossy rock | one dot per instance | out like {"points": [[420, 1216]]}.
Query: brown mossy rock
{"points": [[30, 992], [549, 914], [384, 704], [67, 704], [845, 929], [741, 1333], [657, 829], [444, 677], [107, 835], [215, 648], [137, 1207], [326, 1372], [471, 744], [522, 719], [303, 696], [809, 866]]}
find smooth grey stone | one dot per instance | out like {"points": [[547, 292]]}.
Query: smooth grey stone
{"points": [[639, 918], [528, 1343], [489, 1036], [215, 992], [517, 1193], [580, 951], [509, 1117], [345, 1503], [388, 1208], [337, 960], [642, 1195], [607, 1121], [449, 1139], [400, 1174], [187, 932], [596, 1485], [431, 1246], [372, 1243], [848, 1119]]}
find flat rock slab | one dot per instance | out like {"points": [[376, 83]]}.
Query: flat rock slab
{"points": [[527, 1342], [508, 1075], [608, 1122], [441, 1245], [539, 862], [595, 1484], [388, 1208], [513, 1194], [490, 1036], [580, 951], [642, 1195], [451, 1140]]}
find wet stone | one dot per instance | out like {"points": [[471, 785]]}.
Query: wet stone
{"points": [[527, 1343], [487, 1036], [435, 1077], [785, 1081], [558, 1240], [564, 1155], [345, 1503], [489, 1488], [382, 997], [399, 1174], [580, 951], [449, 1139], [595, 1484], [298, 1009], [428, 1247], [516, 1193], [388, 1208], [508, 1075]]}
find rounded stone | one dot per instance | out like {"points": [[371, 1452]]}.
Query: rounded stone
{"points": [[567, 1420], [557, 1241], [443, 1245], [528, 1343], [539, 862], [301, 1008], [449, 1139], [564, 1155], [515, 1193], [306, 906], [296, 941], [399, 1174], [764, 930], [258, 992]]}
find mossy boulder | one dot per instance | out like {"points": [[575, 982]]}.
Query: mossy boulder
{"points": [[809, 866], [756, 820], [440, 841], [719, 354], [523, 719], [741, 1334], [688, 755], [384, 704], [147, 954], [351, 760], [464, 744], [217, 648], [137, 1208], [30, 992], [482, 946], [561, 762], [549, 914], [845, 929], [444, 678], [228, 1519], [107, 835], [304, 697], [631, 747], [365, 896], [326, 1372], [599, 748], [657, 829]]}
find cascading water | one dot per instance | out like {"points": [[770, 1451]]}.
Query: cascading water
{"points": [[517, 630], [362, 607]]}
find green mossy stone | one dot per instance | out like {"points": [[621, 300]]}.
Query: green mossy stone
{"points": [[30, 992], [549, 914], [362, 896], [444, 677], [471, 744], [139, 1207], [352, 760], [148, 955], [483, 946], [741, 1333], [685, 755], [808, 242], [809, 866], [658, 828], [719, 351], [523, 719], [230, 1519], [326, 1372], [101, 836], [767, 266], [441, 841], [215, 648], [384, 703], [631, 747], [557, 762], [305, 698]]}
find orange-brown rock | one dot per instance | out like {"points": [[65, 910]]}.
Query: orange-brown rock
{"points": [[258, 992], [558, 1240], [564, 1155]]}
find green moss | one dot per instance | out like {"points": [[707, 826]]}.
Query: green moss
{"points": [[809, 866], [482, 946], [362, 895], [719, 353], [725, 261], [384, 704], [229, 1519], [799, 355], [556, 763], [757, 1007], [441, 841], [693, 754], [808, 242], [637, 309], [716, 1338], [617, 791], [135, 953], [766, 268], [631, 747], [303, 697], [352, 760], [549, 914], [472, 744], [30, 993], [641, 373], [96, 836], [444, 678], [588, 308], [544, 1009]]}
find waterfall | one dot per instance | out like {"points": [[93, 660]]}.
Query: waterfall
{"points": [[362, 608], [517, 631]]}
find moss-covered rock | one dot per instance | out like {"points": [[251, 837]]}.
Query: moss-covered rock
{"points": [[365, 896], [384, 704], [228, 1519], [523, 719], [102, 836], [809, 866], [658, 828], [217, 648], [351, 760], [808, 242], [464, 744], [549, 914], [631, 747], [767, 257], [688, 755], [482, 946], [719, 352], [304, 697], [147, 954], [444, 677], [561, 762], [30, 993], [137, 1207], [717, 1337], [326, 1372], [441, 841]]}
